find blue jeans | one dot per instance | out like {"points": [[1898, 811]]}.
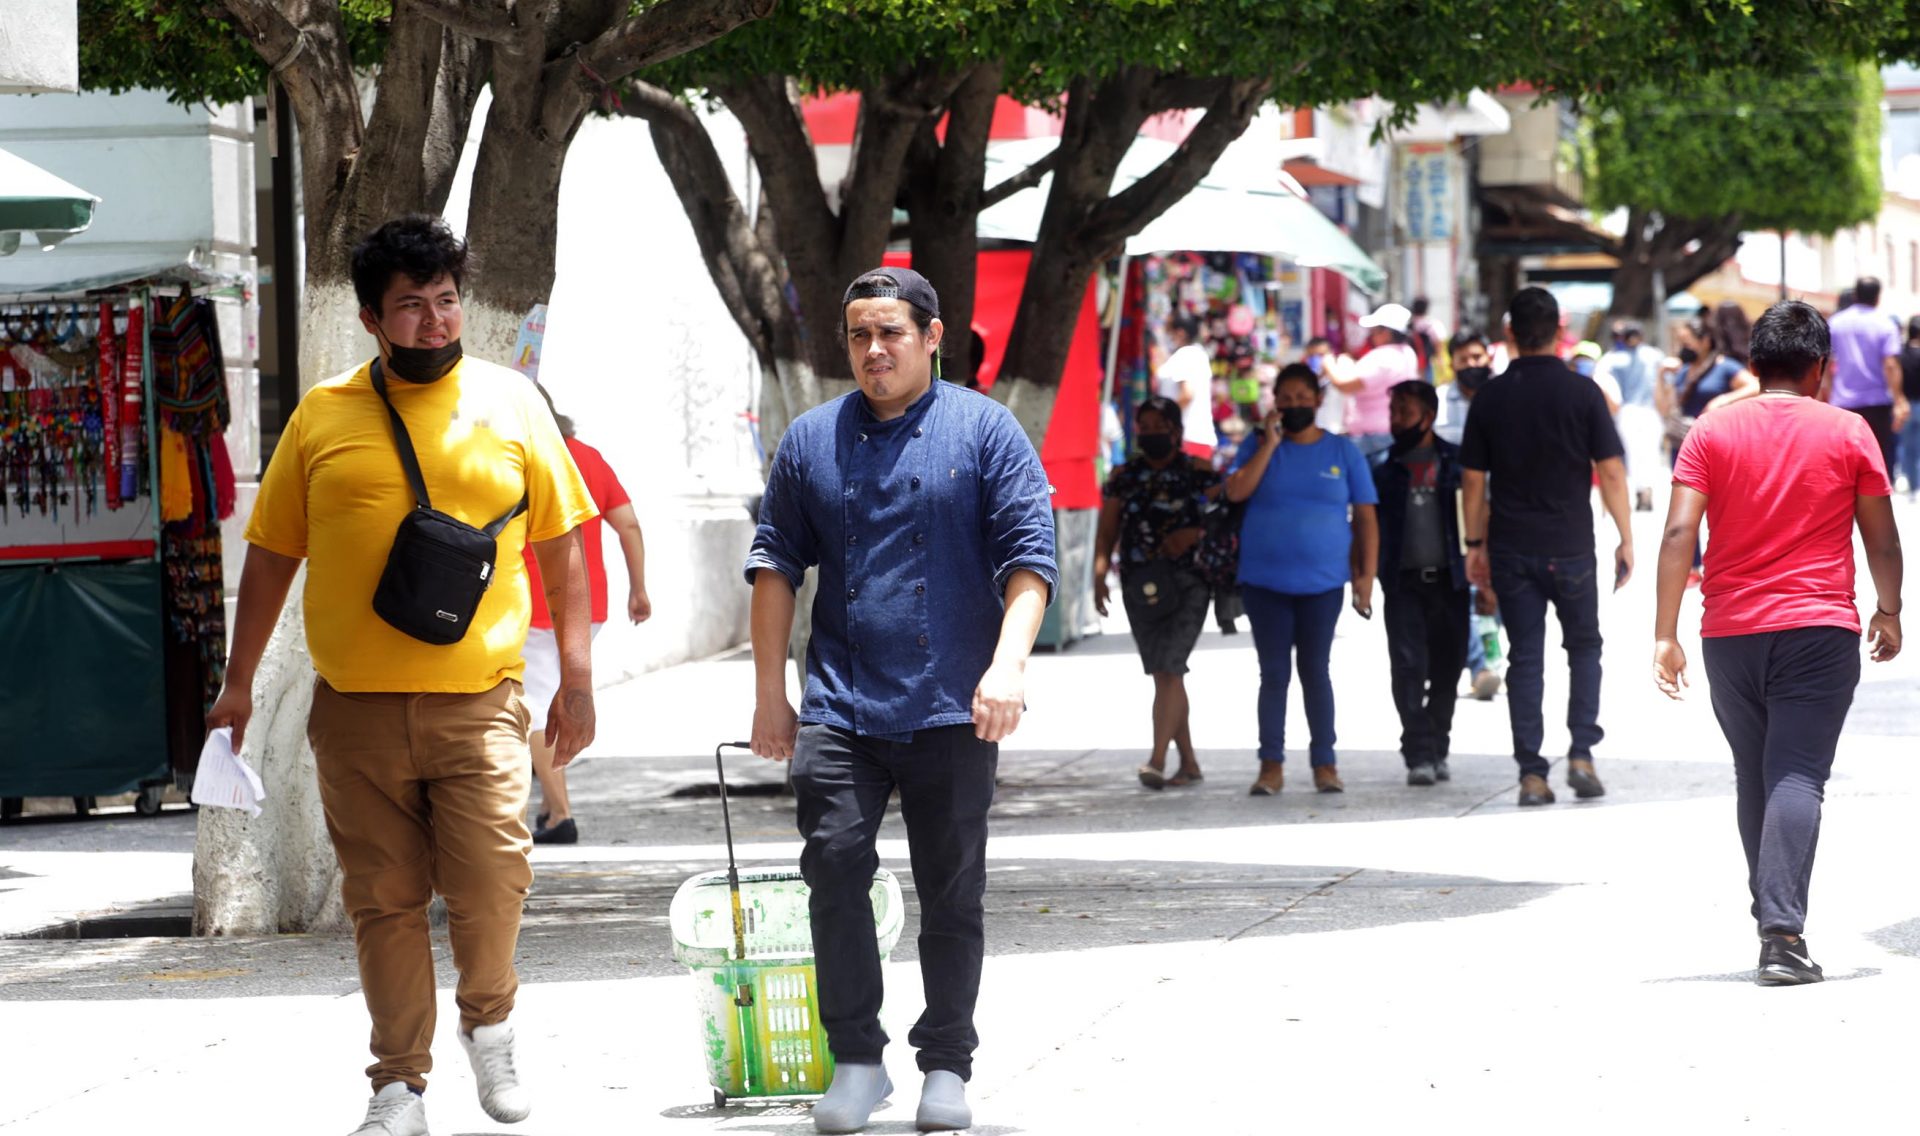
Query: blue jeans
{"points": [[1910, 453], [1286, 628], [1526, 585]]}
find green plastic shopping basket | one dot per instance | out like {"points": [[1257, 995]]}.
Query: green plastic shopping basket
{"points": [[747, 939]]}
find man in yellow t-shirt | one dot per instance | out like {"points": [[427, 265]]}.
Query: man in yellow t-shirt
{"points": [[421, 749]]}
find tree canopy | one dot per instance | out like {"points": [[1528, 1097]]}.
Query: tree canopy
{"points": [[1800, 153]]}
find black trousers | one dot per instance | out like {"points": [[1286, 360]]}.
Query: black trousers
{"points": [[1427, 621], [1880, 421], [946, 780], [1782, 698]]}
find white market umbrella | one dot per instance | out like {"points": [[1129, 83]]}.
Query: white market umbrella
{"points": [[35, 201], [1243, 205]]}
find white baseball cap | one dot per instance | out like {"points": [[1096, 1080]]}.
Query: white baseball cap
{"points": [[1391, 316]]}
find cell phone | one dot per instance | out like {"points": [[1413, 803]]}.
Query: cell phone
{"points": [[1619, 574]]}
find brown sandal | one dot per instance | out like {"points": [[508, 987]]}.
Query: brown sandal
{"points": [[1152, 778], [1183, 779]]}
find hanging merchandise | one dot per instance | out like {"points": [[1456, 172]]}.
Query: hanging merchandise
{"points": [[189, 374], [176, 476], [133, 434], [107, 369]]}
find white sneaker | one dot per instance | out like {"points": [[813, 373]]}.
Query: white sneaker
{"points": [[490, 1049], [394, 1111]]}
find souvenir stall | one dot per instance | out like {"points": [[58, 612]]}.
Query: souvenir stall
{"points": [[115, 476]]}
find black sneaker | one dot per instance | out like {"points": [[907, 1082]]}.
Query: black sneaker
{"points": [[1441, 772], [1422, 774], [564, 832], [1786, 964]]}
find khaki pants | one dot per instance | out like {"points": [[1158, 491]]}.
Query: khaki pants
{"points": [[425, 793]]}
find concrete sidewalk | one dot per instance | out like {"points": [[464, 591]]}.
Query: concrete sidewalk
{"points": [[1191, 960]]}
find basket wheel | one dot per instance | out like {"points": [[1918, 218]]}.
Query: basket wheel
{"points": [[719, 1099]]}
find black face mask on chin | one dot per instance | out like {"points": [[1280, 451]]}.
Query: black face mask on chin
{"points": [[421, 364]]}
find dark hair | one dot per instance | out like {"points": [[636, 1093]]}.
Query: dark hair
{"points": [[561, 421], [1629, 329], [1319, 341], [1298, 373], [1732, 331], [419, 245], [1534, 318], [1167, 409], [1419, 306], [1844, 301], [1866, 290], [875, 286], [1703, 330], [1420, 391], [1187, 326], [1464, 337], [1913, 328], [1788, 339]]}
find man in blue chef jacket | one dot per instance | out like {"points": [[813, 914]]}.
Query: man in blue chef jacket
{"points": [[925, 509]]}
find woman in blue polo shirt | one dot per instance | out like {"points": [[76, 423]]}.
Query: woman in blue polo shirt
{"points": [[1309, 530]]}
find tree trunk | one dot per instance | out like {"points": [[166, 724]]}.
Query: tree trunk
{"points": [[277, 872], [945, 187], [1684, 249]]}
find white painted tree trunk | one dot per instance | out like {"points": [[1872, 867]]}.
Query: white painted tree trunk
{"points": [[1031, 403], [277, 872], [489, 332]]}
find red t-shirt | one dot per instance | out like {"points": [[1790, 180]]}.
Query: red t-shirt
{"points": [[607, 494], [1782, 478]]}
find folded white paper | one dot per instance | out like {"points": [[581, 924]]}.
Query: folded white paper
{"points": [[225, 781]]}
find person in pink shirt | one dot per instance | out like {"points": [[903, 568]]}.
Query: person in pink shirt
{"points": [[1369, 385], [1782, 479]]}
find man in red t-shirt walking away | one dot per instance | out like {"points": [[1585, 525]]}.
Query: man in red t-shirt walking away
{"points": [[1782, 479], [555, 824]]}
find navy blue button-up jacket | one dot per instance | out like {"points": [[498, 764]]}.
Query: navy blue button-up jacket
{"points": [[915, 525]]}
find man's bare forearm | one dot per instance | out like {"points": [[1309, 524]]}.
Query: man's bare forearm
{"points": [[265, 579], [563, 578], [1473, 496], [1026, 606], [1613, 494], [770, 626], [633, 546]]}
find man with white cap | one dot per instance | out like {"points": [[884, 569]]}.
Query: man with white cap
{"points": [[1390, 359]]}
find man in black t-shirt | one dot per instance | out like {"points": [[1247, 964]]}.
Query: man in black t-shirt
{"points": [[1541, 431]]}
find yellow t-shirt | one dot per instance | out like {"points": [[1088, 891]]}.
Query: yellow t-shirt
{"points": [[335, 493]]}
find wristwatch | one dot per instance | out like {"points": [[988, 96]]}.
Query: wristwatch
{"points": [[1476, 543]]}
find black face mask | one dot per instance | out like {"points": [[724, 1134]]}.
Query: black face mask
{"points": [[1157, 446], [1294, 419], [1689, 356], [1408, 438], [1473, 378], [423, 364], [420, 364]]}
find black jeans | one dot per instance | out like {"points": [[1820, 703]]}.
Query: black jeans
{"points": [[1880, 421], [1426, 620], [1781, 698], [1525, 586], [946, 779]]}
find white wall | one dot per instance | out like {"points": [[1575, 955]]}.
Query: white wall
{"points": [[643, 356]]}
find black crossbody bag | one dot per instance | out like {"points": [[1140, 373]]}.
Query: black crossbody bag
{"points": [[440, 565]]}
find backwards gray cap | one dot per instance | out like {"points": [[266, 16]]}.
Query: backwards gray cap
{"points": [[908, 285]]}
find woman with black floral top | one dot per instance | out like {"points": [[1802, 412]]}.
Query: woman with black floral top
{"points": [[1153, 518]]}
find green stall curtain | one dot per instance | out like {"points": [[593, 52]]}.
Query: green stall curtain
{"points": [[81, 681]]}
